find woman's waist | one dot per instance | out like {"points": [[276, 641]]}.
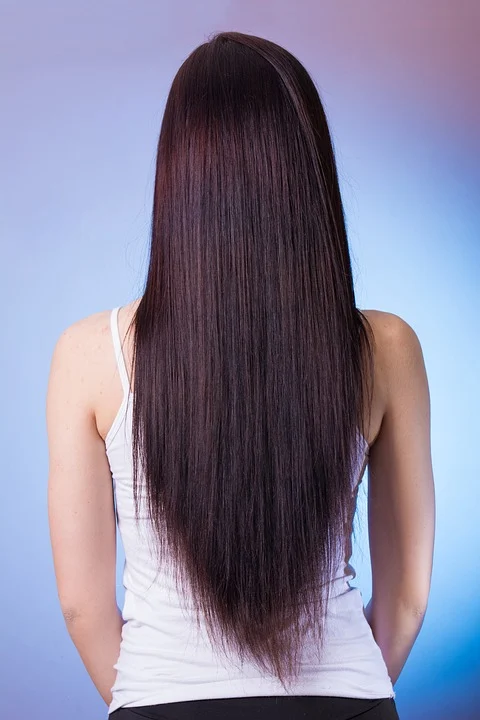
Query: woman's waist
{"points": [[164, 620]]}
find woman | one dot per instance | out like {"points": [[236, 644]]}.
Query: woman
{"points": [[236, 405]]}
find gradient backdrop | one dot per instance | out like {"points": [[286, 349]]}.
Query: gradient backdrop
{"points": [[83, 86]]}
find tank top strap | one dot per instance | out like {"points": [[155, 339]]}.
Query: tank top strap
{"points": [[117, 345]]}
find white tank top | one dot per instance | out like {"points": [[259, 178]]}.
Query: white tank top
{"points": [[164, 657]]}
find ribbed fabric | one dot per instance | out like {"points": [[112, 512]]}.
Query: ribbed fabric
{"points": [[164, 658]]}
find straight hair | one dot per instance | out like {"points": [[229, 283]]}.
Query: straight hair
{"points": [[253, 367]]}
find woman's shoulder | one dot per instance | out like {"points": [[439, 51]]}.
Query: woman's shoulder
{"points": [[388, 326], [396, 342], [398, 360], [85, 349]]}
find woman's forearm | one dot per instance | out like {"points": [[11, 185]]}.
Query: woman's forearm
{"points": [[395, 628], [97, 639]]}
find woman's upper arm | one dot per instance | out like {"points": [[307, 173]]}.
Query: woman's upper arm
{"points": [[401, 503], [80, 493]]}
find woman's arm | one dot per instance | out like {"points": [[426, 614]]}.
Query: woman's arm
{"points": [[401, 502], [80, 504]]}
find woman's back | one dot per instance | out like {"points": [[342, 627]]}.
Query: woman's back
{"points": [[163, 658]]}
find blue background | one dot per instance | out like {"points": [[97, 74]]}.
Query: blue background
{"points": [[83, 87]]}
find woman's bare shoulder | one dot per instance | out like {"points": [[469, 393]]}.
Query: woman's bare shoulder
{"points": [[389, 326], [397, 357], [396, 342], [85, 347]]}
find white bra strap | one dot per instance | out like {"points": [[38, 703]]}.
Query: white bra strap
{"points": [[122, 369]]}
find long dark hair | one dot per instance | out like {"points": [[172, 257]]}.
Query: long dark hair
{"points": [[252, 362]]}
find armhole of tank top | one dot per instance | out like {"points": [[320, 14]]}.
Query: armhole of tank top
{"points": [[122, 371]]}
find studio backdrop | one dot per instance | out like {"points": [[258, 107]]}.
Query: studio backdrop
{"points": [[83, 86]]}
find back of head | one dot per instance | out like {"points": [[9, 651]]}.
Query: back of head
{"points": [[250, 355]]}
